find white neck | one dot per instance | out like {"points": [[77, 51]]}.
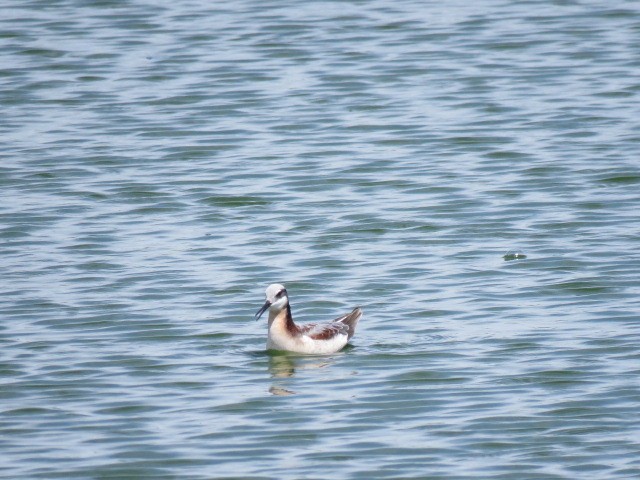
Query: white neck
{"points": [[278, 317]]}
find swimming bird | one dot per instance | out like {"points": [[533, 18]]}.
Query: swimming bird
{"points": [[312, 338]]}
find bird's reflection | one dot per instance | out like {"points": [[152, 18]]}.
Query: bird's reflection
{"points": [[283, 366], [281, 392]]}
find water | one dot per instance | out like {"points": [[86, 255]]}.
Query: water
{"points": [[466, 172]]}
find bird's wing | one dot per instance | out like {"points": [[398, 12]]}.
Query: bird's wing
{"points": [[324, 331]]}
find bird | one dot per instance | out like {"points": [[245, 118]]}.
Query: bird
{"points": [[312, 338]]}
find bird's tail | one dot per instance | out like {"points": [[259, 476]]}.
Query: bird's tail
{"points": [[351, 320]]}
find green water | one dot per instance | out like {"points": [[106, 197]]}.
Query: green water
{"points": [[467, 173]]}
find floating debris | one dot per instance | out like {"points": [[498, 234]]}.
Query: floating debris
{"points": [[514, 255]]}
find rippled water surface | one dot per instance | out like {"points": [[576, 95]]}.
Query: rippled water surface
{"points": [[467, 172]]}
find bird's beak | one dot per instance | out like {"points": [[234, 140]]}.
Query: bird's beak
{"points": [[264, 307]]}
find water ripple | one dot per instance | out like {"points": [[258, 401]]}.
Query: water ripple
{"points": [[163, 163]]}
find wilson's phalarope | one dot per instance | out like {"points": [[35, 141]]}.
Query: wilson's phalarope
{"points": [[312, 338]]}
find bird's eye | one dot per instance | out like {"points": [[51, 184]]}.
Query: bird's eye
{"points": [[281, 293]]}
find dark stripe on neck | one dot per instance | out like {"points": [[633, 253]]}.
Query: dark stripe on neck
{"points": [[292, 328]]}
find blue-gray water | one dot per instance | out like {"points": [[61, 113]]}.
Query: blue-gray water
{"points": [[163, 162]]}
